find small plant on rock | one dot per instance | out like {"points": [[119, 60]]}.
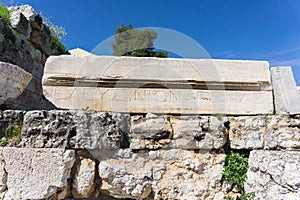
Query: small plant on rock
{"points": [[235, 169], [11, 135], [57, 34]]}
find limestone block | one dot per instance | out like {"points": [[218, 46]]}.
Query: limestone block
{"points": [[282, 132], [13, 81], [37, 173], [163, 101], [142, 85], [247, 132], [286, 96], [83, 182], [155, 175], [3, 174], [274, 174], [186, 132], [151, 127], [201, 132], [74, 129], [264, 132]]}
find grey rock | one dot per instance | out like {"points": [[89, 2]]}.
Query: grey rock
{"points": [[189, 132], [42, 40], [264, 132], [84, 180], [151, 127], [140, 175], [31, 15], [37, 173], [202, 132], [20, 23], [247, 132], [13, 81], [28, 50], [3, 173], [75, 129], [273, 174], [287, 99]]}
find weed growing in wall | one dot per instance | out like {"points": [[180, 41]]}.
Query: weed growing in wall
{"points": [[12, 134], [235, 169]]}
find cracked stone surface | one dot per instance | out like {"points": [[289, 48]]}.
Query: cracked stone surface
{"points": [[83, 182], [74, 129], [264, 132], [186, 132], [37, 173], [162, 174], [3, 173], [274, 175]]}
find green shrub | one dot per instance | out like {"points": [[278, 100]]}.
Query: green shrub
{"points": [[235, 169], [4, 13], [61, 47]]}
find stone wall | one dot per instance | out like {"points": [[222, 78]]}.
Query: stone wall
{"points": [[27, 43], [97, 155]]}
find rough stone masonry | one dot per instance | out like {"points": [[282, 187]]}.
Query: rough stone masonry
{"points": [[166, 157]]}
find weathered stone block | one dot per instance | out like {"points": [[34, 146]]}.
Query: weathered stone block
{"points": [[151, 127], [74, 129], [142, 85], [3, 173], [189, 132], [282, 132], [155, 175], [37, 173], [273, 175], [286, 97], [202, 132], [264, 132], [84, 179], [13, 81], [247, 132]]}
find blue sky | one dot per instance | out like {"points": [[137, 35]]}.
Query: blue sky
{"points": [[226, 29]]}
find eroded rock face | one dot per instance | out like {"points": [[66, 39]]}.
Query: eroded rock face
{"points": [[84, 180], [274, 175], [186, 132], [37, 173], [264, 132], [162, 174], [3, 174], [201, 132], [13, 81], [74, 129], [27, 42]]}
